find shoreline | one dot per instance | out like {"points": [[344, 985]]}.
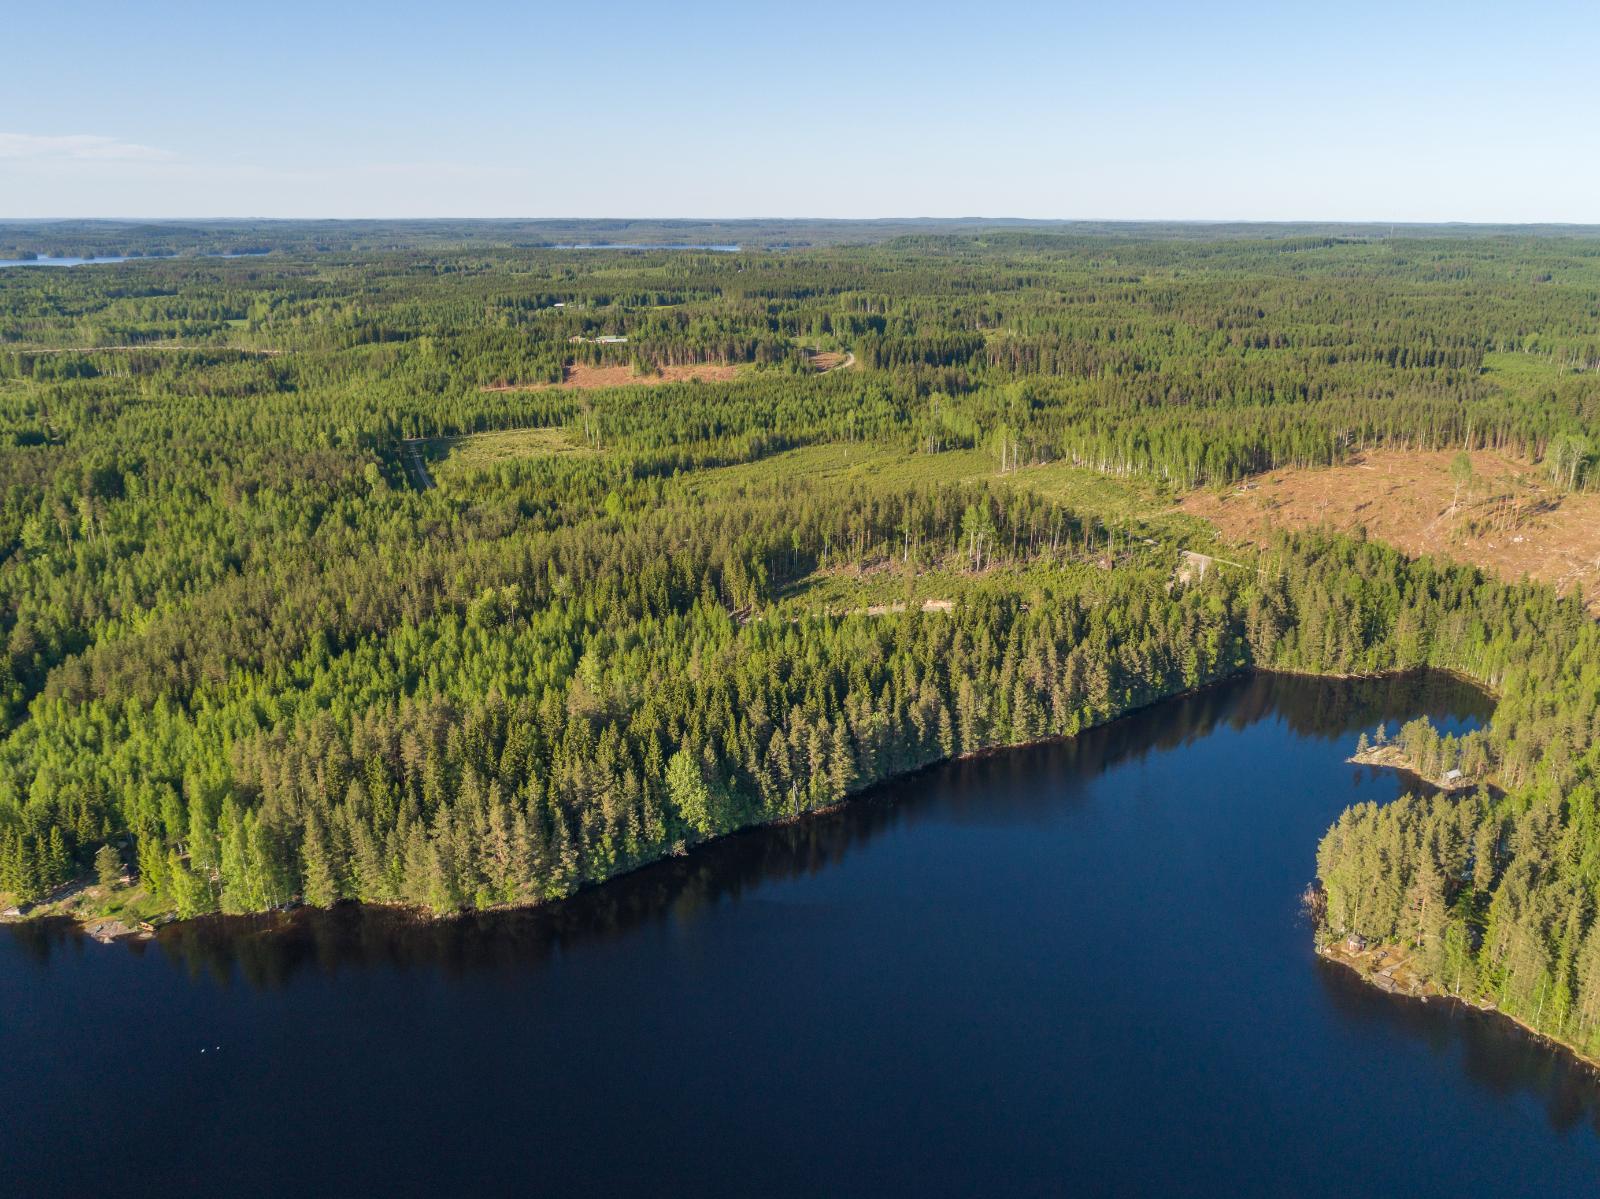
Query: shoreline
{"points": [[1368, 966], [87, 921], [1390, 756], [90, 922]]}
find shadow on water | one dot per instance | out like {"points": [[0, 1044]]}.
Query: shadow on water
{"points": [[267, 951], [1495, 1054]]}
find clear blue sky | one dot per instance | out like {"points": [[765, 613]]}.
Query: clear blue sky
{"points": [[1159, 109]]}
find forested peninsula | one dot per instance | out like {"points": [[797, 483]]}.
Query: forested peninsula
{"points": [[455, 573]]}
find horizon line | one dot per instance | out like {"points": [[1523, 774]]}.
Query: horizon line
{"points": [[854, 220]]}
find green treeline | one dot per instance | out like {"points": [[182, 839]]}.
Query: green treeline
{"points": [[504, 726], [1496, 896], [1496, 892], [99, 237], [1190, 362]]}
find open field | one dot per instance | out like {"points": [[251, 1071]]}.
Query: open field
{"points": [[458, 455], [1135, 509], [586, 377], [1135, 505], [1506, 519]]}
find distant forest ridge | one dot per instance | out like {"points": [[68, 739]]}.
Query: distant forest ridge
{"points": [[112, 238]]}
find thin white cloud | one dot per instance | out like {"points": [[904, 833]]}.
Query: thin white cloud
{"points": [[76, 147]]}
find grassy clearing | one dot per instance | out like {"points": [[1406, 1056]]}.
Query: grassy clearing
{"points": [[829, 591], [455, 456], [129, 904], [867, 592], [1137, 507], [1134, 505], [1522, 373]]}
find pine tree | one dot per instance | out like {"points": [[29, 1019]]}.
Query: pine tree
{"points": [[1432, 917], [321, 889], [58, 869], [1586, 1011], [108, 866], [688, 792]]}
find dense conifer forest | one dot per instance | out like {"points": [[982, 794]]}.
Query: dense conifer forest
{"points": [[325, 575]]}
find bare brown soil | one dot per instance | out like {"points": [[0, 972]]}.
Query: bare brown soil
{"points": [[1507, 519], [1388, 967], [826, 360], [823, 361], [584, 377], [932, 605]]}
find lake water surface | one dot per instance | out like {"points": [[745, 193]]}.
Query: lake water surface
{"points": [[63, 261], [67, 260], [1077, 968]]}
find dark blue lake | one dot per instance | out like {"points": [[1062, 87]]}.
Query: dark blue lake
{"points": [[1073, 969]]}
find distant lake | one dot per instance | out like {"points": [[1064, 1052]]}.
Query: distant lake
{"points": [[1071, 969], [62, 261], [68, 261]]}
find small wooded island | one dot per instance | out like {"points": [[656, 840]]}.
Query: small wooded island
{"points": [[457, 575]]}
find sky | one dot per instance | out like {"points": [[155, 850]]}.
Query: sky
{"points": [[1145, 109]]}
